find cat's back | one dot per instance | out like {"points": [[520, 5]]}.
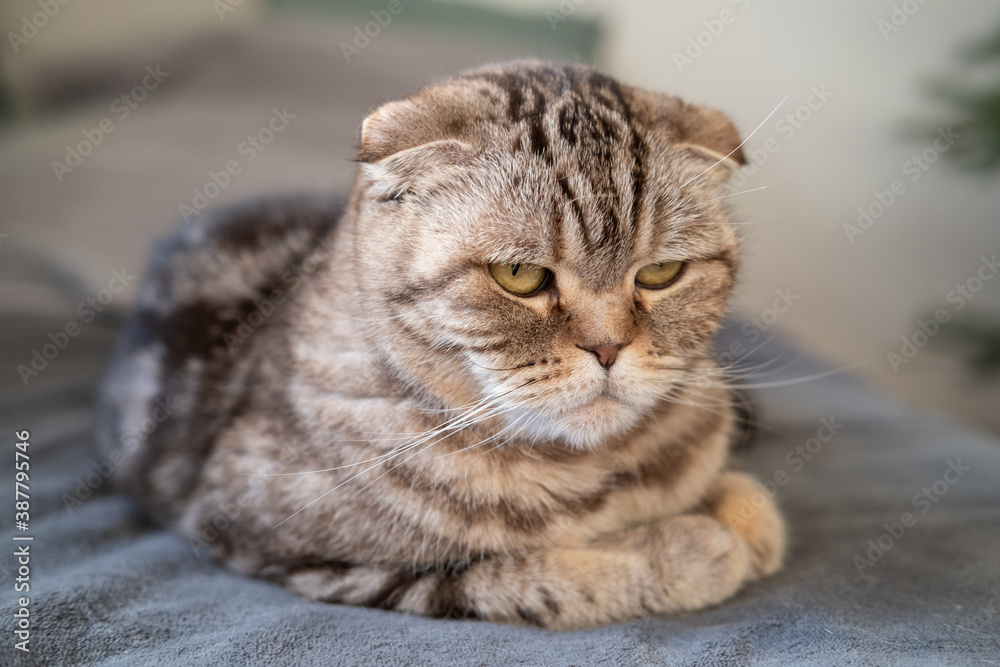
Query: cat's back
{"points": [[183, 366]]}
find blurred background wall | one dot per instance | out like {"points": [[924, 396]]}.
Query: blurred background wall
{"points": [[863, 234]]}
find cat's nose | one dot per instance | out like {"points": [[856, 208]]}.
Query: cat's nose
{"points": [[606, 354]]}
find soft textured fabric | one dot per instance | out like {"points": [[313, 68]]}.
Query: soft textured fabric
{"points": [[108, 589]]}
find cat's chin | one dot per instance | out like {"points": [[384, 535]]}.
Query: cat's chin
{"points": [[585, 427]]}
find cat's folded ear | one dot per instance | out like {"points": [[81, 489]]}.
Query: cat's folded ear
{"points": [[704, 133], [405, 145]]}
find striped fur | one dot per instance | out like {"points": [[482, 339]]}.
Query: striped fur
{"points": [[360, 412]]}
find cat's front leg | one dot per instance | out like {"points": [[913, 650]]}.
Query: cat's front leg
{"points": [[739, 501], [669, 565]]}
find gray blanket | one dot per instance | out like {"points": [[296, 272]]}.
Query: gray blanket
{"points": [[895, 524]]}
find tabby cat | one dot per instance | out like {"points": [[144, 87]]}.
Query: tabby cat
{"points": [[481, 388]]}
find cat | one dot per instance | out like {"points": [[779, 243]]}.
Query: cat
{"points": [[482, 387]]}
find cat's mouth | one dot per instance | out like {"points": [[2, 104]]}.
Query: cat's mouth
{"points": [[613, 406], [591, 410]]}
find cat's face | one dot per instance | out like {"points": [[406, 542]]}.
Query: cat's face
{"points": [[557, 233]]}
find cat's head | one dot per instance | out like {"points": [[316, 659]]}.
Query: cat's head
{"points": [[555, 235]]}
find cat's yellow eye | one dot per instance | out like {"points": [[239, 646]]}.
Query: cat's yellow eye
{"points": [[521, 279], [658, 275]]}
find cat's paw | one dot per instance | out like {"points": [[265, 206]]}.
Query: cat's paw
{"points": [[703, 563], [741, 503]]}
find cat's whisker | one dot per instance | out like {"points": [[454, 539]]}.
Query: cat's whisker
{"points": [[320, 497], [715, 407], [807, 378], [352, 478], [761, 370], [724, 407], [738, 371], [716, 403], [484, 441], [731, 223], [591, 196], [403, 449], [743, 192], [745, 363], [417, 453], [489, 415], [737, 224], [744, 368], [472, 405], [701, 357], [512, 368], [373, 319], [730, 153], [519, 428], [412, 439]]}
